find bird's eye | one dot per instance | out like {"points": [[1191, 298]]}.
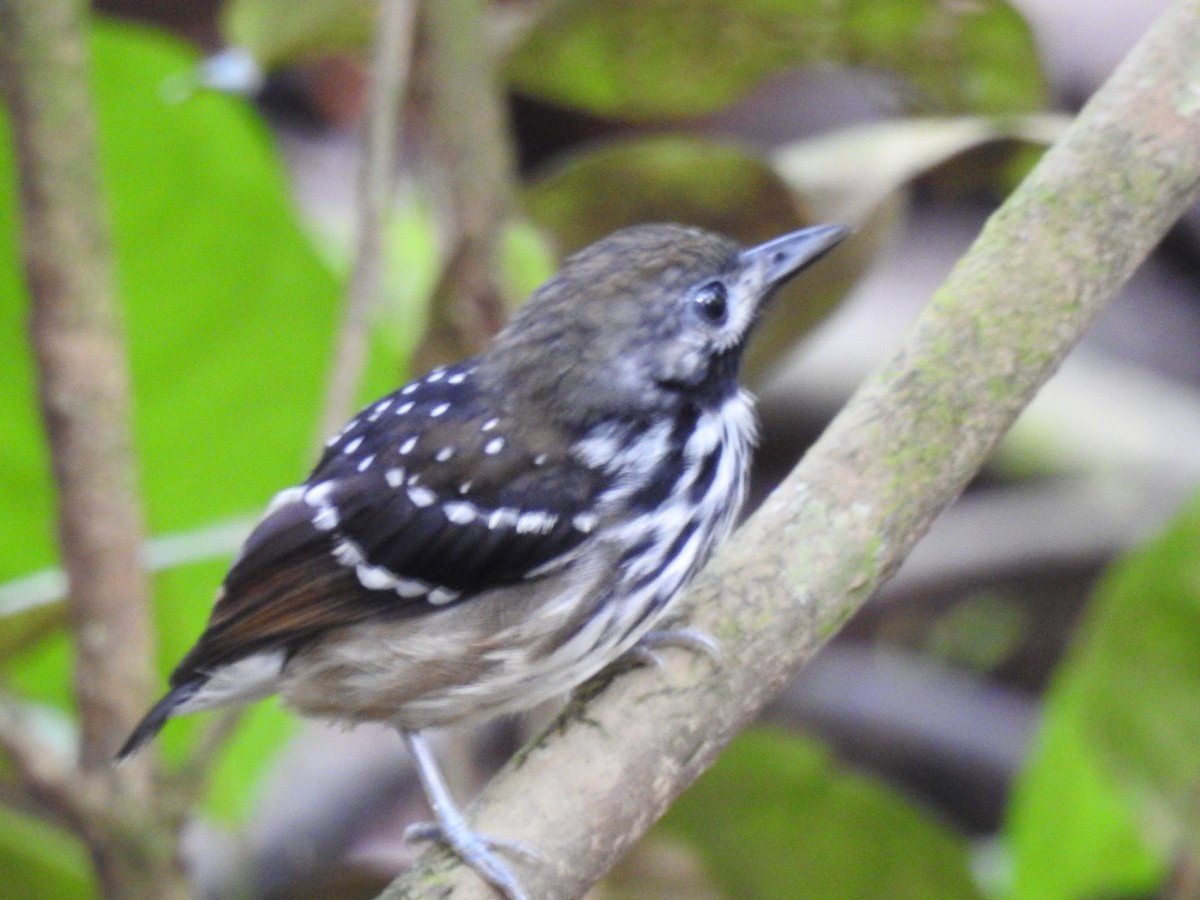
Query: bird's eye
{"points": [[712, 302]]}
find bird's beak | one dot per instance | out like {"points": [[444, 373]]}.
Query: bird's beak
{"points": [[780, 258]]}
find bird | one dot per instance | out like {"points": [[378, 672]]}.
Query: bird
{"points": [[496, 532]]}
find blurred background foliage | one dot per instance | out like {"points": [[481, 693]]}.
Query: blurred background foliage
{"points": [[1024, 724]]}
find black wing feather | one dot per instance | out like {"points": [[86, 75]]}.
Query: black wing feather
{"points": [[379, 499]]}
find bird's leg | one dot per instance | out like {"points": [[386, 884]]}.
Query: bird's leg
{"points": [[645, 651], [450, 828]]}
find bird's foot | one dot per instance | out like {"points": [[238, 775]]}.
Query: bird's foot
{"points": [[450, 829], [476, 850], [645, 652]]}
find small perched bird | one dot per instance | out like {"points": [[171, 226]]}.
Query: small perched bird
{"points": [[495, 533]]}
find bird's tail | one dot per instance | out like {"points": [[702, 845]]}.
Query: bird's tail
{"points": [[154, 720]]}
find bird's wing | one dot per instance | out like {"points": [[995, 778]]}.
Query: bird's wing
{"points": [[424, 500]]}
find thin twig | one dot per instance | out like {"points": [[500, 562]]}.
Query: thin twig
{"points": [[219, 540], [48, 777], [390, 60], [1046, 263], [470, 135]]}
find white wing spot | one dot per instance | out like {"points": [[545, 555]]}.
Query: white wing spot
{"points": [[394, 477], [366, 463], [405, 408], [326, 519], [435, 376], [347, 553], [410, 587], [585, 522], [489, 424], [465, 487], [353, 445], [326, 516], [409, 389], [407, 447], [460, 512], [444, 454], [504, 517], [421, 496], [318, 494], [540, 459], [494, 446], [374, 578], [283, 498], [438, 410], [457, 378], [535, 522], [380, 578], [442, 596], [379, 410]]}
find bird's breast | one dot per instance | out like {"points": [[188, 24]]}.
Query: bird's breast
{"points": [[675, 491], [678, 488]]}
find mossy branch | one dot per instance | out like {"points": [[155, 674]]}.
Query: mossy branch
{"points": [[915, 433]]}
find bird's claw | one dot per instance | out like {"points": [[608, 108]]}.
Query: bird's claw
{"points": [[645, 651], [423, 832], [478, 851]]}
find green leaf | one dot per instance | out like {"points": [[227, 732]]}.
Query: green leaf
{"points": [[282, 31], [645, 59], [45, 862], [778, 817], [665, 179], [1141, 660], [1069, 832], [1111, 792], [230, 315]]}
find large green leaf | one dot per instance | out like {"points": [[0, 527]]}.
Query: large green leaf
{"points": [[282, 31], [665, 178], [229, 313], [1111, 792], [778, 817], [1141, 660], [644, 59]]}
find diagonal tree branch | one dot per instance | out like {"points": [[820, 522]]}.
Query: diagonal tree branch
{"points": [[915, 433], [389, 79], [51, 781]]}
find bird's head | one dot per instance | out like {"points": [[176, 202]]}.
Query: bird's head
{"points": [[646, 318]]}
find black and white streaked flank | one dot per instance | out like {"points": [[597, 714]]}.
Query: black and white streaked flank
{"points": [[498, 531]]}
